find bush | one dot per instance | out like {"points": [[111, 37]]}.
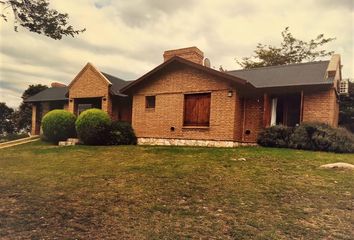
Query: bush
{"points": [[309, 136], [275, 136], [122, 133], [302, 136], [58, 125], [343, 141], [93, 127], [322, 137]]}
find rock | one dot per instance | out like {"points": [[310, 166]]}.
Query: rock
{"points": [[338, 165], [238, 159]]}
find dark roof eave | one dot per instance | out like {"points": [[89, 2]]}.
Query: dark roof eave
{"points": [[298, 85], [45, 100]]}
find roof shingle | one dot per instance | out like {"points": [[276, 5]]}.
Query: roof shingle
{"points": [[311, 73], [49, 94]]}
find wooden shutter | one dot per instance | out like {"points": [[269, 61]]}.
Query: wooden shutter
{"points": [[197, 109]]}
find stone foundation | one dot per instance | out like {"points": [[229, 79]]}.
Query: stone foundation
{"points": [[189, 142]]}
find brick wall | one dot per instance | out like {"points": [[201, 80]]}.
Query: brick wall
{"points": [[122, 109], [88, 84], [169, 89], [238, 123], [321, 107], [253, 118]]}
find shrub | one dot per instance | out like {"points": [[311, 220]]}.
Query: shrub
{"points": [[275, 136], [322, 137], [93, 127], [308, 136], [301, 137], [122, 133], [58, 125], [343, 141]]}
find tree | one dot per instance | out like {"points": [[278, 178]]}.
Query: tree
{"points": [[291, 50], [36, 16], [24, 114], [6, 125], [346, 109]]}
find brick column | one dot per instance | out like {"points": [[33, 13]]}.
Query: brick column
{"points": [[34, 127], [71, 107], [107, 104], [301, 107], [266, 110]]}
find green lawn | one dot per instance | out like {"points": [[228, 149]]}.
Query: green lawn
{"points": [[134, 192]]}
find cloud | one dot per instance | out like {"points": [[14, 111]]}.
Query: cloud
{"points": [[127, 38], [345, 4]]}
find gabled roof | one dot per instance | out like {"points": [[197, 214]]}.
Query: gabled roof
{"points": [[300, 74], [61, 93], [49, 94], [178, 60], [117, 83], [89, 65]]}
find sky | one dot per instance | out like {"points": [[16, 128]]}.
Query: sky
{"points": [[127, 38]]}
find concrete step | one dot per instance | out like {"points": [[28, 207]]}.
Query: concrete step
{"points": [[73, 140], [66, 143], [69, 142]]}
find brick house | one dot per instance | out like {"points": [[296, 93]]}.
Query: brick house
{"points": [[183, 102]]}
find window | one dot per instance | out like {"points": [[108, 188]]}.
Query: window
{"points": [[150, 101], [197, 109], [82, 107], [343, 86]]}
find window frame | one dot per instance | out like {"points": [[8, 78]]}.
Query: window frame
{"points": [[147, 105]]}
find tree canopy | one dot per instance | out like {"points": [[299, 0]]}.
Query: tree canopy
{"points": [[24, 113], [291, 50], [36, 16], [6, 125]]}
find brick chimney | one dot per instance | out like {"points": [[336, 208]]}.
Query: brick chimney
{"points": [[334, 65], [57, 84], [192, 54]]}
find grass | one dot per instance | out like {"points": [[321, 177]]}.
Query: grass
{"points": [[135, 192]]}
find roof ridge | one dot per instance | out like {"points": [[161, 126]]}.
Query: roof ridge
{"points": [[279, 66], [104, 73]]}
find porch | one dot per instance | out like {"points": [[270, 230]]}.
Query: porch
{"points": [[283, 109], [118, 108]]}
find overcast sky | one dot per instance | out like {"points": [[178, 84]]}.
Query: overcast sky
{"points": [[127, 38]]}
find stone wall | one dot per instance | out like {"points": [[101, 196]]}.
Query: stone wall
{"points": [[190, 142]]}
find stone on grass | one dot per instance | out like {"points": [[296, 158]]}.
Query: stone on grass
{"points": [[338, 165]]}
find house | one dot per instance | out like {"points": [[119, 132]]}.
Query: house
{"points": [[183, 102]]}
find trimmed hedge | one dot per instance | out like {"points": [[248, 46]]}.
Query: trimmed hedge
{"points": [[308, 136], [122, 133], [93, 127], [58, 125]]}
